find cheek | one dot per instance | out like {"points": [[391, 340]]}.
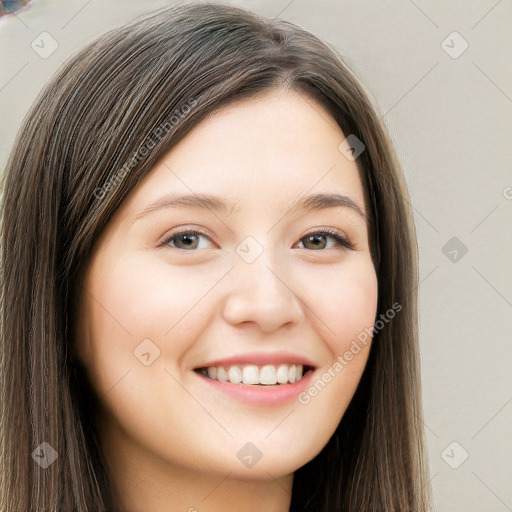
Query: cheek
{"points": [[346, 303], [134, 302], [129, 305], [344, 308]]}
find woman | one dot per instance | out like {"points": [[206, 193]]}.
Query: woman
{"points": [[271, 366]]}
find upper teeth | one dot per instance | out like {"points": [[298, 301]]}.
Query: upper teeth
{"points": [[252, 374]]}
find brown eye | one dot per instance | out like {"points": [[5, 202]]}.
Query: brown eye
{"points": [[318, 239], [185, 240]]}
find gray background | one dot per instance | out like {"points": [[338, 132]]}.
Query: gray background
{"points": [[450, 116]]}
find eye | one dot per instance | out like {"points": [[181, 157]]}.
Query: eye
{"points": [[186, 239], [315, 239]]}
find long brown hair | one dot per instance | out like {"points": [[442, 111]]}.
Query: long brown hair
{"points": [[80, 152]]}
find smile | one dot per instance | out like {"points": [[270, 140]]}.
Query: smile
{"points": [[254, 375]]}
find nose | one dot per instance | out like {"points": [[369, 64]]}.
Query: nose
{"points": [[262, 294]]}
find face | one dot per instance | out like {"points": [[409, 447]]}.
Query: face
{"points": [[180, 297]]}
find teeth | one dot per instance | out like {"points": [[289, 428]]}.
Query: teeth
{"points": [[235, 375], [222, 376], [291, 373], [282, 374], [268, 375], [251, 374]]}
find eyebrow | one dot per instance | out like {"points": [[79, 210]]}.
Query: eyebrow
{"points": [[217, 204]]}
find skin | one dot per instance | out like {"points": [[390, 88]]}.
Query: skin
{"points": [[170, 439]]}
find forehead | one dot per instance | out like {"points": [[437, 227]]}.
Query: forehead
{"points": [[268, 151]]}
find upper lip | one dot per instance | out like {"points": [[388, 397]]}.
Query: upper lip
{"points": [[259, 359]]}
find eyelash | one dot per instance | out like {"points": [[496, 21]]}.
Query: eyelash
{"points": [[328, 231]]}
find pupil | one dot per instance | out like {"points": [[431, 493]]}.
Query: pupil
{"points": [[187, 239], [315, 237]]}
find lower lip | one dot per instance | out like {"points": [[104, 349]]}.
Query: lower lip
{"points": [[263, 395]]}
